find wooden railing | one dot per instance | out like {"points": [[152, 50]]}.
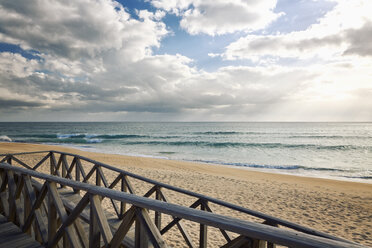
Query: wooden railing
{"points": [[33, 200]]}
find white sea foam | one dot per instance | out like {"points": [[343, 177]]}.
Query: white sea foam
{"points": [[5, 138], [310, 149], [66, 136]]}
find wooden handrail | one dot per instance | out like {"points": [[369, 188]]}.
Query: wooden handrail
{"points": [[249, 229], [267, 218]]}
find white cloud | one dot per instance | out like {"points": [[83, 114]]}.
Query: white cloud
{"points": [[109, 70], [79, 30], [15, 65], [343, 31], [216, 17]]}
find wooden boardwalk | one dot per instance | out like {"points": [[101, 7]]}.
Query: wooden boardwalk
{"points": [[64, 209], [12, 236]]}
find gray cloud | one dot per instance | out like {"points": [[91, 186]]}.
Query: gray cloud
{"points": [[6, 104], [360, 40], [108, 70]]}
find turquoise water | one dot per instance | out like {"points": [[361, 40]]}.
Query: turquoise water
{"points": [[331, 150]]}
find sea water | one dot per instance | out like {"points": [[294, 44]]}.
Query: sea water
{"points": [[327, 150]]}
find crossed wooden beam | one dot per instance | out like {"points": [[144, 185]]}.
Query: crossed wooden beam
{"points": [[64, 209]]}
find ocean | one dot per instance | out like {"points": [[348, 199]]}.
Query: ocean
{"points": [[326, 150]]}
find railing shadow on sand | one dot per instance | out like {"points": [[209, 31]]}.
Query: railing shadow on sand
{"points": [[66, 200]]}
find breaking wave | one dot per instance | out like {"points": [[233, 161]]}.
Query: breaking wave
{"points": [[5, 138]]}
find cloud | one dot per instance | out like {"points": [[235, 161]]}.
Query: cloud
{"points": [[345, 30], [156, 84], [360, 40], [105, 69], [221, 17], [14, 103], [79, 30], [16, 65]]}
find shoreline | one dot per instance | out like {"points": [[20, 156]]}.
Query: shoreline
{"points": [[258, 168], [340, 208], [93, 152]]}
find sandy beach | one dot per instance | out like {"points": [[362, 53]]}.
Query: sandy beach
{"points": [[337, 207]]}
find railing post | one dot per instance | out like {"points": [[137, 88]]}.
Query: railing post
{"points": [[158, 214], [203, 228], [27, 208], [77, 173], [123, 205], [52, 163], [98, 177], [259, 243], [9, 160], [269, 244], [141, 239], [63, 165], [94, 233], [52, 218]]}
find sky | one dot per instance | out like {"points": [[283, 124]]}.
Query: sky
{"points": [[186, 60]]}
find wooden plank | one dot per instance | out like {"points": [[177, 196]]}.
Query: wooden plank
{"points": [[210, 199], [77, 173], [270, 244], [141, 239], [129, 185], [216, 201], [59, 163], [158, 214], [12, 236], [115, 182], [123, 229], [41, 162], [21, 163], [255, 230], [177, 219], [81, 233], [180, 226], [19, 206], [4, 159], [27, 209], [105, 183], [71, 167], [53, 193], [11, 200], [94, 233], [4, 181], [64, 166], [152, 231], [239, 242], [90, 173], [52, 221], [203, 229], [4, 203], [24, 153], [82, 171], [101, 218], [35, 211], [123, 205], [102, 176], [69, 220], [98, 176], [54, 165], [224, 233]]}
